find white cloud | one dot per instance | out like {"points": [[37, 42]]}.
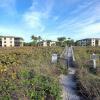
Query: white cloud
{"points": [[35, 18], [85, 21], [8, 6], [41, 18], [13, 31], [48, 9], [93, 28], [10, 31], [52, 35]]}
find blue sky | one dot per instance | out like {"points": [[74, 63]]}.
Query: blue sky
{"points": [[50, 19]]}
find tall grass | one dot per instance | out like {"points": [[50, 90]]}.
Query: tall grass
{"points": [[88, 78]]}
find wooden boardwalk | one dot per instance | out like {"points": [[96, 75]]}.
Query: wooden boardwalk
{"points": [[68, 82]]}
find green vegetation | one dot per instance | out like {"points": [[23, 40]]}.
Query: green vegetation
{"points": [[88, 77], [62, 41], [27, 73]]}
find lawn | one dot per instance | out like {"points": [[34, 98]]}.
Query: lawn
{"points": [[88, 76], [27, 73]]}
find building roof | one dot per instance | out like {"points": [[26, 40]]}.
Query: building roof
{"points": [[89, 39], [11, 37], [93, 38]]}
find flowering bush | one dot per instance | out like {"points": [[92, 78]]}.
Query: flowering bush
{"points": [[26, 73]]}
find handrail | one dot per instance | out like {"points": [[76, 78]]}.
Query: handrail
{"points": [[61, 56]]}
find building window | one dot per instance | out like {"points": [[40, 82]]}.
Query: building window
{"points": [[10, 41], [4, 45], [4, 41], [5, 38], [10, 45], [93, 42], [10, 38]]}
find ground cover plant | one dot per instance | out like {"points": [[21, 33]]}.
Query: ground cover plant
{"points": [[87, 75], [27, 73]]}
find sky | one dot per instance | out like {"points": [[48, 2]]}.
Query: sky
{"points": [[50, 19]]}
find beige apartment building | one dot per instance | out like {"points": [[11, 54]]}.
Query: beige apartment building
{"points": [[11, 41], [89, 42]]}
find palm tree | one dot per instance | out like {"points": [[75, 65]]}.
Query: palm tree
{"points": [[34, 38]]}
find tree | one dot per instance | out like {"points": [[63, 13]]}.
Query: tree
{"points": [[35, 39], [48, 42], [39, 38], [69, 38], [58, 43], [61, 39], [70, 42]]}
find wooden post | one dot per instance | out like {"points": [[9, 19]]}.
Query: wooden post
{"points": [[73, 54], [94, 57], [94, 63], [54, 58]]}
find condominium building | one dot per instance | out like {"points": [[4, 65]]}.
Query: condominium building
{"points": [[47, 43], [11, 41], [89, 42]]}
